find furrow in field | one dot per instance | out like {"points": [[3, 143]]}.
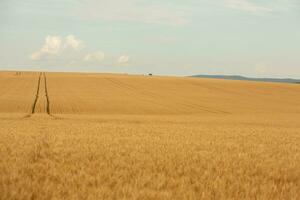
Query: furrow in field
{"points": [[46, 94], [146, 98], [36, 95], [41, 104], [168, 99]]}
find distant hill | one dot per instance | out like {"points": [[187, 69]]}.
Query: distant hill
{"points": [[235, 77]]}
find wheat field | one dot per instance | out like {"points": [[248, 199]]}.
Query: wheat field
{"points": [[114, 136]]}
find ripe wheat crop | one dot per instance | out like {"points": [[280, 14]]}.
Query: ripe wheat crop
{"points": [[105, 136]]}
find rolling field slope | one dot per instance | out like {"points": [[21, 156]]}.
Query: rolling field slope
{"points": [[17, 92], [108, 136], [121, 94]]}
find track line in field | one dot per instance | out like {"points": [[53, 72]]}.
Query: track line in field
{"points": [[36, 95], [155, 96], [47, 95], [41, 95]]}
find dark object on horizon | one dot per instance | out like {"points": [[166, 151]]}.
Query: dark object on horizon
{"points": [[150, 74], [235, 77]]}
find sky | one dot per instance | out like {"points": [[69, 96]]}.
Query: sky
{"points": [[256, 38]]}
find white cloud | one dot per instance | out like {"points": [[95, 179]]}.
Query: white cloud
{"points": [[123, 59], [56, 45], [73, 42], [94, 57], [133, 11], [52, 46], [246, 5]]}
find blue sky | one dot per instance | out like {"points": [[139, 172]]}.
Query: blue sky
{"points": [[256, 38]]}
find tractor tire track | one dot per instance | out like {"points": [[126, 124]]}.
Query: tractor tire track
{"points": [[47, 95], [134, 90], [41, 103], [36, 95], [154, 96]]}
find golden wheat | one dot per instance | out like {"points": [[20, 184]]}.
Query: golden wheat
{"points": [[135, 137]]}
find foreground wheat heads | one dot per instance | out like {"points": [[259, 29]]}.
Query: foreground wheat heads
{"points": [[104, 136]]}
